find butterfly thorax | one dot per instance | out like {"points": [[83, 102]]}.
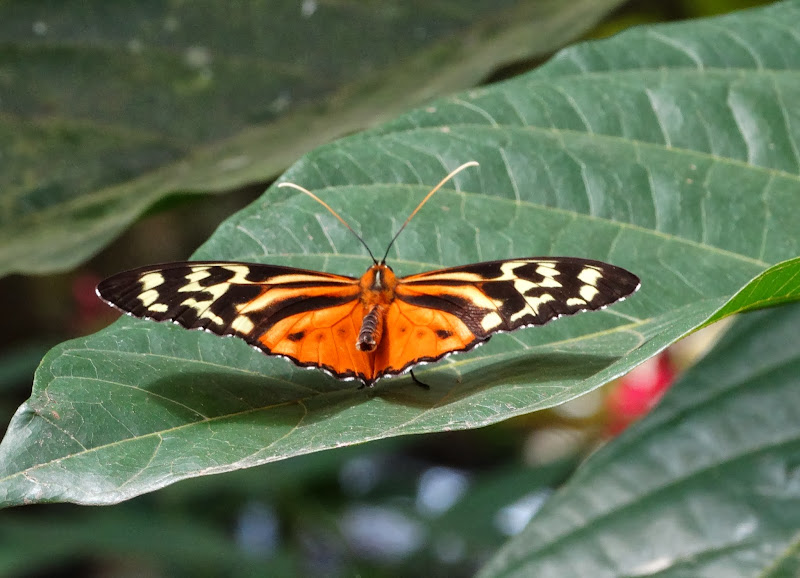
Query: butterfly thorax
{"points": [[377, 287]]}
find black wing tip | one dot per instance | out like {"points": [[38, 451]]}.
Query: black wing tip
{"points": [[105, 292], [626, 283]]}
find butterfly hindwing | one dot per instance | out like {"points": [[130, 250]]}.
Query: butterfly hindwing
{"points": [[324, 338], [416, 334]]}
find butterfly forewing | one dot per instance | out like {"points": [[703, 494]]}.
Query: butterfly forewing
{"points": [[506, 295]]}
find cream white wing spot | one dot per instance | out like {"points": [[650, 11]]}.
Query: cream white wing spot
{"points": [[243, 324], [507, 270], [148, 297], [158, 308], [240, 273], [575, 302], [202, 307], [216, 292], [547, 270], [532, 305], [590, 275], [523, 285], [194, 278], [550, 282], [208, 314], [490, 321], [588, 292], [198, 274], [151, 280], [203, 311]]}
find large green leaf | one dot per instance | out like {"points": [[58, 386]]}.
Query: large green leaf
{"points": [[655, 150], [707, 485], [107, 107]]}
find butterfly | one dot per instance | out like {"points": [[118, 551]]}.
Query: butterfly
{"points": [[370, 327]]}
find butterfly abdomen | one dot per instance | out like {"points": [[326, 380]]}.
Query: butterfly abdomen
{"points": [[371, 329]]}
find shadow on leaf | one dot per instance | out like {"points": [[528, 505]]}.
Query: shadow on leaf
{"points": [[536, 370]]}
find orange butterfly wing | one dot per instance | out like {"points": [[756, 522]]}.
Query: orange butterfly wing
{"points": [[323, 338], [415, 334], [451, 310], [309, 317]]}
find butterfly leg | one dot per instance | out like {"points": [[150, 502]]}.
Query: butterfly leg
{"points": [[418, 382]]}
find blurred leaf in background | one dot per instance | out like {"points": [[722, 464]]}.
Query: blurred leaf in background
{"points": [[109, 107], [706, 485]]}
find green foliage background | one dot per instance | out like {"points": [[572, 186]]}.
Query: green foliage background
{"points": [[670, 150]]}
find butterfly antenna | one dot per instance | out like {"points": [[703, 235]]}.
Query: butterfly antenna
{"points": [[425, 200], [334, 213]]}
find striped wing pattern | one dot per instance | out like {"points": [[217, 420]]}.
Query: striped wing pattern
{"points": [[314, 318], [499, 296], [275, 309]]}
